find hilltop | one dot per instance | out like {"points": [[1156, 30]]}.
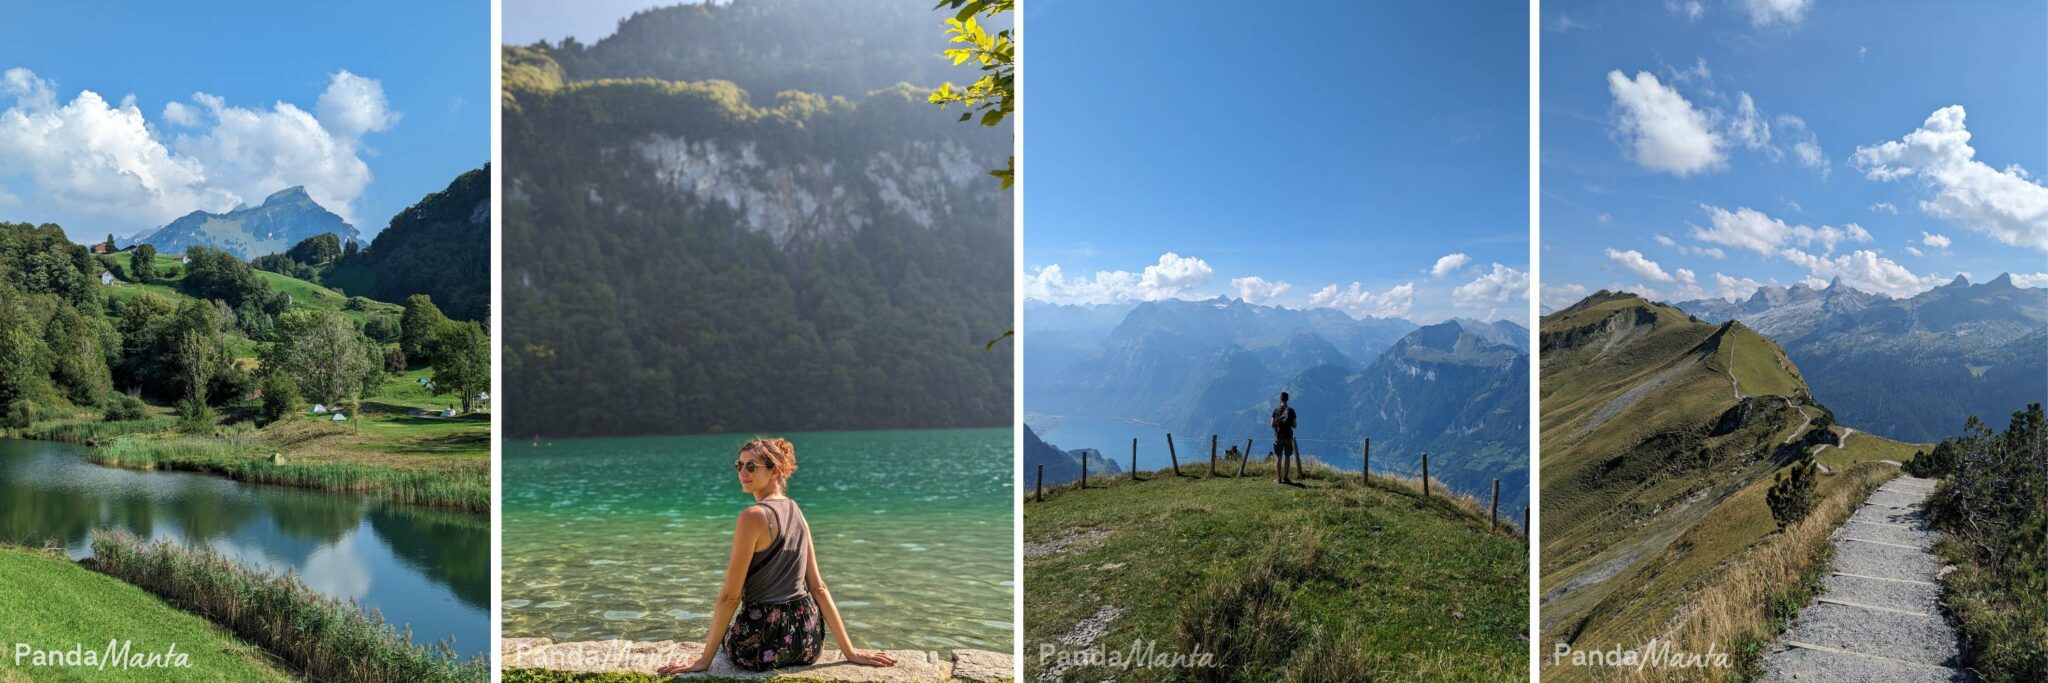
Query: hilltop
{"points": [[1333, 580], [1910, 368], [1660, 435]]}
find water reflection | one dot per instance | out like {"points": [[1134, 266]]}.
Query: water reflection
{"points": [[429, 569]]}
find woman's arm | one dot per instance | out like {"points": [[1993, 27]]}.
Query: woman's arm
{"points": [[747, 533], [816, 582]]}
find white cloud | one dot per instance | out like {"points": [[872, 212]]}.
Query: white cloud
{"points": [[1499, 286], [353, 106], [1748, 127], [1715, 252], [1767, 12], [1666, 241], [1173, 277], [1634, 261], [1359, 302], [1662, 130], [1865, 270], [1560, 296], [1258, 290], [2030, 279], [1936, 241], [1805, 145], [1564, 24], [176, 113], [1885, 207], [1690, 9], [2007, 205], [90, 158], [1447, 264], [1746, 228], [1734, 288], [1914, 251]]}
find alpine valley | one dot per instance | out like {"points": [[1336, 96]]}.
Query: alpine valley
{"points": [[1456, 389]]}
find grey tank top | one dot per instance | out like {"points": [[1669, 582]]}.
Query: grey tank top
{"points": [[776, 574]]}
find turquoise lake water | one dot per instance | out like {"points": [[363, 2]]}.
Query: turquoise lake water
{"points": [[628, 537]]}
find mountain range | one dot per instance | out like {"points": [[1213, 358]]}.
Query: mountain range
{"points": [[1456, 389], [1910, 368], [1660, 435], [1061, 466], [283, 219]]}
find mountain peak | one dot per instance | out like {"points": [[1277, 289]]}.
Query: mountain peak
{"points": [[295, 193], [1960, 281], [1834, 283], [2004, 280]]}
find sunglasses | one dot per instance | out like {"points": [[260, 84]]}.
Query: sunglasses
{"points": [[747, 467]]}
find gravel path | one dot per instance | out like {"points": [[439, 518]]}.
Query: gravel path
{"points": [[1879, 617]]}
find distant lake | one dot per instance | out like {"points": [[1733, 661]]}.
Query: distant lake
{"points": [[628, 537], [1113, 437], [424, 568]]}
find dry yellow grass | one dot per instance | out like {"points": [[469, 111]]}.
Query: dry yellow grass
{"points": [[1735, 611]]}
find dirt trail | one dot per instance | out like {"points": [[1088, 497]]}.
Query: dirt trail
{"points": [[1879, 617]]}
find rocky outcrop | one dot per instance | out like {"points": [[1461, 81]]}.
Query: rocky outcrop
{"points": [[912, 666]]}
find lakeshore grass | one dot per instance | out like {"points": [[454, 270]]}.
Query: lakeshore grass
{"points": [[319, 637], [250, 460], [1334, 579], [49, 602], [91, 431]]}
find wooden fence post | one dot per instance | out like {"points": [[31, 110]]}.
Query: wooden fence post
{"points": [[1496, 505], [1247, 458], [1084, 469], [1134, 458], [1041, 483], [1172, 454], [1294, 449], [1425, 475], [1366, 466], [1212, 456], [1525, 522]]}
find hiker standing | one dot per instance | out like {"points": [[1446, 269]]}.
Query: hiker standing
{"points": [[1283, 436]]}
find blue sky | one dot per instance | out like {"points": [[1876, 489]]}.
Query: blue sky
{"points": [[371, 105], [1329, 145], [530, 21], [1695, 149]]}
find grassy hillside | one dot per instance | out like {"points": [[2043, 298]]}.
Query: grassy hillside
{"points": [[303, 293], [385, 450], [1661, 434], [49, 602], [1331, 580]]}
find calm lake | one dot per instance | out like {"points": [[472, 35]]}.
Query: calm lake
{"points": [[426, 568], [628, 537]]}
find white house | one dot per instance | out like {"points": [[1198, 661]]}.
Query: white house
{"points": [[106, 277]]}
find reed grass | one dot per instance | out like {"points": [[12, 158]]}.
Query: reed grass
{"points": [[320, 637], [245, 461], [94, 431]]}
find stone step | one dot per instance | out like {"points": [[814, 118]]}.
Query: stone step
{"points": [[1830, 666], [1885, 515], [1884, 561], [1908, 596], [1897, 500], [1894, 635], [912, 666], [1889, 533]]}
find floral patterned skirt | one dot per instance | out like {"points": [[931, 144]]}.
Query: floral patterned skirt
{"points": [[771, 636]]}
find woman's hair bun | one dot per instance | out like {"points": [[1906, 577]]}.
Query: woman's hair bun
{"points": [[776, 452]]}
